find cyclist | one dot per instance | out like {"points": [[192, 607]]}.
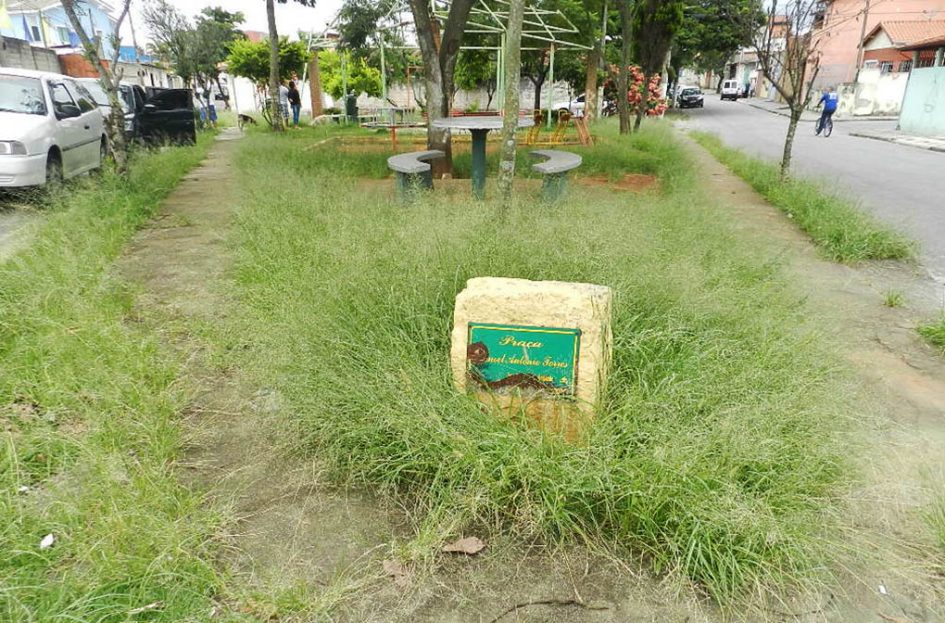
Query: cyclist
{"points": [[830, 100]]}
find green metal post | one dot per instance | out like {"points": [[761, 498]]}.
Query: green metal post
{"points": [[384, 75], [344, 85], [551, 83]]}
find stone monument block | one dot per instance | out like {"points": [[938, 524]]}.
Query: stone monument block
{"points": [[542, 348]]}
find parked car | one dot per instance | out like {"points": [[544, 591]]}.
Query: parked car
{"points": [[153, 116], [575, 106], [50, 128], [731, 90], [690, 97]]}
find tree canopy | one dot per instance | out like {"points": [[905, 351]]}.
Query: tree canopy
{"points": [[250, 59], [713, 30], [360, 77]]}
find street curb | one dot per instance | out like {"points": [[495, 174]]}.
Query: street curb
{"points": [[836, 119], [892, 139]]}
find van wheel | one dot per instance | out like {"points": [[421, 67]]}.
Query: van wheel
{"points": [[53, 171]]}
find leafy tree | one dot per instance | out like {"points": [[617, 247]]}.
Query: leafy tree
{"points": [[535, 66], [361, 78], [172, 37], [655, 24], [713, 30], [216, 29], [476, 69], [250, 59]]}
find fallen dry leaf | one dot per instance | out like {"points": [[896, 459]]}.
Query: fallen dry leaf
{"points": [[470, 546], [151, 606], [398, 571]]}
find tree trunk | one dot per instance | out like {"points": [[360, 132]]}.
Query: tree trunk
{"points": [[590, 84], [275, 110], [513, 55], [789, 142], [623, 77], [439, 53], [315, 86], [115, 124], [539, 84]]}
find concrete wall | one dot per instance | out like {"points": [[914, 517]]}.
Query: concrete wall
{"points": [[923, 108], [21, 55], [874, 93]]}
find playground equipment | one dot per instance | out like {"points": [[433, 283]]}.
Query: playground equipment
{"points": [[559, 134]]}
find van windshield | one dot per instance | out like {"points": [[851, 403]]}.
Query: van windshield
{"points": [[21, 95]]}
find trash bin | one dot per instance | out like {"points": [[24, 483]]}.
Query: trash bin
{"points": [[351, 108]]}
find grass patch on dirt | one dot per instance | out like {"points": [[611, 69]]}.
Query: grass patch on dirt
{"points": [[720, 450], [934, 333], [87, 408], [835, 224]]}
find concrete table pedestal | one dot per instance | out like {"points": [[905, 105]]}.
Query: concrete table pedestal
{"points": [[479, 128]]}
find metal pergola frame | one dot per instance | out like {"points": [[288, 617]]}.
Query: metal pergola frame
{"points": [[539, 24]]}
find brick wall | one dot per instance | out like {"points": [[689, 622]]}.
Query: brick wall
{"points": [[21, 55]]}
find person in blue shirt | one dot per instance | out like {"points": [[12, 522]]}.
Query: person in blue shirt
{"points": [[830, 100]]}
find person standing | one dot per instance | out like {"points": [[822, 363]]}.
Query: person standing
{"points": [[284, 101], [295, 101]]}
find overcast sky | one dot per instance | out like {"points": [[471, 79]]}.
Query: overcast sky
{"points": [[290, 17]]}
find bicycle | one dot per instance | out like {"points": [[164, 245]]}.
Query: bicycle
{"points": [[827, 126]]}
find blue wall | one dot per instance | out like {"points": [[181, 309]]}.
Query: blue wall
{"points": [[923, 107], [26, 25]]}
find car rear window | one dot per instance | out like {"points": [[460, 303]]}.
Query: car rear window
{"points": [[691, 92], [21, 95]]}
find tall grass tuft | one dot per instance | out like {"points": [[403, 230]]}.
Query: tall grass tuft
{"points": [[720, 450], [835, 224], [935, 333], [88, 408]]}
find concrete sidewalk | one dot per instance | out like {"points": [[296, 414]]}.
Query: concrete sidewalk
{"points": [[778, 108], [932, 143]]}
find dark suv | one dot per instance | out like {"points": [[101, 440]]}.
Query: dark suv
{"points": [[151, 115]]}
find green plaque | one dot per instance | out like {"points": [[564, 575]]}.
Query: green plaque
{"points": [[542, 358]]}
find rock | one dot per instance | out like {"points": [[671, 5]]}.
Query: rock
{"points": [[524, 335]]}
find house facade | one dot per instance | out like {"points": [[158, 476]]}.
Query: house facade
{"points": [[839, 28], [889, 46], [43, 23]]}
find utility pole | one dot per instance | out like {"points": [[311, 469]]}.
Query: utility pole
{"points": [[859, 48]]}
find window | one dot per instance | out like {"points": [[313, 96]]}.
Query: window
{"points": [[905, 66], [928, 61], [870, 65], [886, 67], [83, 98], [21, 95], [36, 34], [63, 34], [60, 97]]}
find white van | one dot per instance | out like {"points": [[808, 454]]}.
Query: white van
{"points": [[731, 90]]}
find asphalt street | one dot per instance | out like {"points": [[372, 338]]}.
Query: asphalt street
{"points": [[904, 186]]}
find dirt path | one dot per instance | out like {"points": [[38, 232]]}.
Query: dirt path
{"points": [[297, 545]]}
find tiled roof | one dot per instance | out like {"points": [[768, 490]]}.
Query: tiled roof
{"points": [[909, 32], [931, 42]]}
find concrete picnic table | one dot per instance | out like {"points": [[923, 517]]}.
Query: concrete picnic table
{"points": [[479, 127]]}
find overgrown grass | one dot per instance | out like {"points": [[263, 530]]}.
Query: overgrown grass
{"points": [[935, 518], [87, 407], [834, 223], [934, 333], [720, 450]]}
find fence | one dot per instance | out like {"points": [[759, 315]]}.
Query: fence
{"points": [[21, 55]]}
